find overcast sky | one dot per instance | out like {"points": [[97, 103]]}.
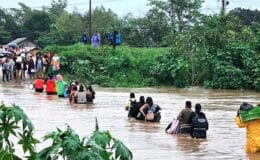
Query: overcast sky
{"points": [[122, 7]]}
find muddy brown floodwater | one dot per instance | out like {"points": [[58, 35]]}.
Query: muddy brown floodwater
{"points": [[147, 141]]}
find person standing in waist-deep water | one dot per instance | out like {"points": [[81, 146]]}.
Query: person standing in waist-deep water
{"points": [[184, 117], [60, 85], [198, 123], [82, 95], [149, 111], [252, 130], [135, 107], [90, 93], [130, 101], [39, 84], [50, 86]]}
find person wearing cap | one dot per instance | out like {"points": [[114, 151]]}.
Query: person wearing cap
{"points": [[252, 130]]}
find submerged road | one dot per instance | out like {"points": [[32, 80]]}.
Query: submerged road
{"points": [[147, 141]]}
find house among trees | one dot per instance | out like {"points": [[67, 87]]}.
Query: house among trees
{"points": [[24, 44]]}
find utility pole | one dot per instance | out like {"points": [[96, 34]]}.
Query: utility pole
{"points": [[224, 4], [172, 16], [90, 31]]}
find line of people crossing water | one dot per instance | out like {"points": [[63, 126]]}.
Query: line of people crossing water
{"points": [[144, 109], [76, 93], [195, 123], [187, 122]]}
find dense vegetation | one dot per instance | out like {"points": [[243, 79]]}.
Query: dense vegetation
{"points": [[124, 66], [16, 127], [217, 51], [232, 66]]}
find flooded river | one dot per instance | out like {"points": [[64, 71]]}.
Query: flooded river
{"points": [[147, 141]]}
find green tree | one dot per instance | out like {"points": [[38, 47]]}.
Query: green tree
{"points": [[246, 16], [66, 30], [103, 21], [10, 29], [5, 35], [181, 13], [57, 8], [38, 23]]}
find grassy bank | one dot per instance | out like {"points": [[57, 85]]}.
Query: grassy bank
{"points": [[122, 67], [236, 67]]}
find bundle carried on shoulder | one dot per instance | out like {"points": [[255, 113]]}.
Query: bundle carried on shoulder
{"points": [[173, 127], [248, 112]]}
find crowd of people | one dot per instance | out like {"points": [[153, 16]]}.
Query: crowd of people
{"points": [[44, 70], [195, 123], [76, 93], [190, 122], [18, 62]]}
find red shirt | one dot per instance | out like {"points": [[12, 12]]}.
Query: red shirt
{"points": [[39, 83], [50, 86]]}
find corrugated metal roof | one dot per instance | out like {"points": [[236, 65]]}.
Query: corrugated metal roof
{"points": [[17, 41]]}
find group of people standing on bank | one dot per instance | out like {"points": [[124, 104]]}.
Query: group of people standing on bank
{"points": [[41, 64], [113, 39], [16, 64]]}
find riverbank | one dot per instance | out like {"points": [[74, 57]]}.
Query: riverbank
{"points": [[145, 67], [122, 67]]}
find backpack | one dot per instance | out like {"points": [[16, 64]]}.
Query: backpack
{"points": [[134, 109], [199, 125]]}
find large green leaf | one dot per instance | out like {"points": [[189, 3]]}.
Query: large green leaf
{"points": [[121, 151], [101, 138], [71, 142]]}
